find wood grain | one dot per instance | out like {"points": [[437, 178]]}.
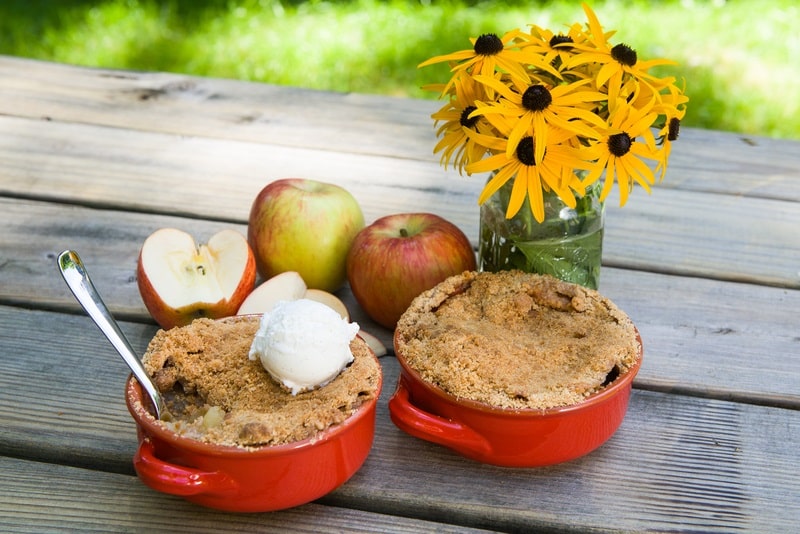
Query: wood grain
{"points": [[39, 497], [141, 142]]}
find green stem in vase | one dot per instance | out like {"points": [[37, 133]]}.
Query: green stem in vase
{"points": [[567, 244]]}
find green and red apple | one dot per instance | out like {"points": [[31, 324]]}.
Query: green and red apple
{"points": [[305, 226], [399, 256], [180, 281]]}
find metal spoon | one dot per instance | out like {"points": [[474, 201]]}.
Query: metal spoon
{"points": [[78, 280]]}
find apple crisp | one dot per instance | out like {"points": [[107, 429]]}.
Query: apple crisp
{"points": [[516, 340], [214, 393]]}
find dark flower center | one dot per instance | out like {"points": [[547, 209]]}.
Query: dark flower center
{"points": [[624, 54], [536, 98], [674, 129], [620, 144], [465, 119], [525, 151], [488, 44], [560, 39]]}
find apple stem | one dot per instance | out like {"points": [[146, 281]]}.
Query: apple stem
{"points": [[403, 232]]}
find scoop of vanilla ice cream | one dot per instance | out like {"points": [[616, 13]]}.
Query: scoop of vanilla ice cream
{"points": [[303, 344]]}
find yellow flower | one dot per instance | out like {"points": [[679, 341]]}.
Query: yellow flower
{"points": [[619, 151], [537, 106], [490, 53], [671, 106], [456, 114], [556, 48], [667, 135], [555, 170], [615, 61]]}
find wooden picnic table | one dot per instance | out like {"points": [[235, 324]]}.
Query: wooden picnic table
{"points": [[708, 267]]}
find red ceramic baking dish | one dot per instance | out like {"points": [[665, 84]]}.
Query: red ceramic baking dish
{"points": [[509, 437], [249, 479]]}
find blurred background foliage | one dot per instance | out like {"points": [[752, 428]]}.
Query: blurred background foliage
{"points": [[735, 56]]}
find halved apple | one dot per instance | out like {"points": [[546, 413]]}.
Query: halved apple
{"points": [[180, 281]]}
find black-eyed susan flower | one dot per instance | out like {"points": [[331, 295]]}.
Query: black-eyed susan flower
{"points": [[490, 54], [668, 133], [621, 151], [616, 63], [554, 170], [537, 106], [456, 118], [557, 48]]}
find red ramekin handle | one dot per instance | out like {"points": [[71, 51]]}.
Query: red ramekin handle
{"points": [[177, 479], [430, 427]]}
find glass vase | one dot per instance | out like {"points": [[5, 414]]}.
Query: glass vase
{"points": [[568, 244]]}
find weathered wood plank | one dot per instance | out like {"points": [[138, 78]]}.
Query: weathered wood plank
{"points": [[708, 235], [677, 463], [261, 113], [219, 179], [349, 123], [698, 338], [211, 178], [39, 497]]}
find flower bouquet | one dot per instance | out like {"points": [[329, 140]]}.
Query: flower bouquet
{"points": [[556, 119]]}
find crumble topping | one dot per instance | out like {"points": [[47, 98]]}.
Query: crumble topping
{"points": [[516, 340]]}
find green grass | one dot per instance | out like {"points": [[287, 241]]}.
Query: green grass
{"points": [[734, 56]]}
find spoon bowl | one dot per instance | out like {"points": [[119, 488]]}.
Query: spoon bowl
{"points": [[77, 278]]}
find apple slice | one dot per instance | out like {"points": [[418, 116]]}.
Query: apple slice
{"points": [[180, 281], [330, 300], [374, 343], [288, 285]]}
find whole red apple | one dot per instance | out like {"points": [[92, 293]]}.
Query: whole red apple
{"points": [[180, 281], [304, 226], [399, 256]]}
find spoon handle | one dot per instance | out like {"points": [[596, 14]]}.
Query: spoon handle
{"points": [[77, 278]]}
